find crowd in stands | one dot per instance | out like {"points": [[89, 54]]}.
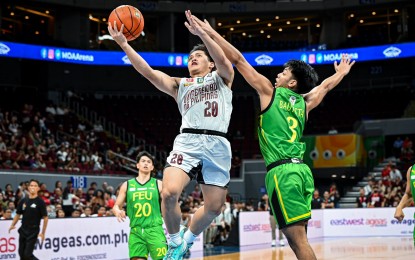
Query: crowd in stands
{"points": [[329, 200], [62, 201], [386, 190], [55, 140]]}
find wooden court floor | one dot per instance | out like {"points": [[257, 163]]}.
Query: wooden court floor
{"points": [[396, 248]]}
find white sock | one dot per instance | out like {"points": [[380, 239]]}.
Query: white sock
{"points": [[176, 238], [189, 237]]}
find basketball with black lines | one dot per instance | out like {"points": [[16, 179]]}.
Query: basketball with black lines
{"points": [[132, 19]]}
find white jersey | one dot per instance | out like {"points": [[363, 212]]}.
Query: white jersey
{"points": [[205, 103]]}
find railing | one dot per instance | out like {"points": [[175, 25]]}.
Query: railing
{"points": [[72, 137], [111, 127], [125, 166]]}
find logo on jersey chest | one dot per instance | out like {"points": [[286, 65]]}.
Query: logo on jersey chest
{"points": [[292, 100], [200, 93]]}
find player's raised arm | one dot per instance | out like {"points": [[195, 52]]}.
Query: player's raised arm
{"points": [[118, 211], [316, 95], [223, 65], [255, 79], [159, 79]]}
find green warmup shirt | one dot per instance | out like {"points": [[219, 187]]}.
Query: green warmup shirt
{"points": [[143, 204], [281, 126]]}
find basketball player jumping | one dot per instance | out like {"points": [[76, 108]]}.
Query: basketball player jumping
{"points": [[201, 150], [284, 111]]}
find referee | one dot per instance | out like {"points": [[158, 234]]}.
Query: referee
{"points": [[32, 209]]}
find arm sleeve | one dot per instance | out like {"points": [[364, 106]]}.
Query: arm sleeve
{"points": [[19, 209]]}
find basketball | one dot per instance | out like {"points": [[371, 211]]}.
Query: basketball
{"points": [[132, 19]]}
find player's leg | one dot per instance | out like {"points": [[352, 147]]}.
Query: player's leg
{"points": [[137, 245], [297, 239], [214, 198], [214, 180], [156, 242], [29, 244], [174, 181], [290, 188], [22, 243]]}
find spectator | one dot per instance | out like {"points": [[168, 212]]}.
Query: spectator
{"points": [[67, 196], [60, 213], [76, 213], [386, 174], [317, 200], [407, 151], [196, 193], [56, 197], [50, 109], [376, 200], [97, 200], [109, 201], [7, 215], [186, 218], [8, 192], [87, 212], [328, 203], [397, 147], [51, 211], [362, 200], [3, 203], [3, 146], [368, 187], [395, 173], [334, 195], [101, 212]]}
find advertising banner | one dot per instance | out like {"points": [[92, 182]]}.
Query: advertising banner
{"points": [[367, 222], [254, 228], [76, 239], [117, 58], [315, 224]]}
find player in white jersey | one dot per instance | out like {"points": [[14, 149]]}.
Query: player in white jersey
{"points": [[201, 151]]}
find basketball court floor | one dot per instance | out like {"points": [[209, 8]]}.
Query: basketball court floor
{"points": [[396, 248]]}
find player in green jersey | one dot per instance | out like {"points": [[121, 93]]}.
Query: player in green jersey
{"points": [[284, 111], [408, 197], [142, 198]]}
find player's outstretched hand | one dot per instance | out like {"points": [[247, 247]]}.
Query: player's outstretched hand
{"points": [[120, 215], [344, 65], [192, 25], [399, 214], [118, 36], [204, 25]]}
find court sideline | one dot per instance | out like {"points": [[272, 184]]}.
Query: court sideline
{"points": [[397, 248]]}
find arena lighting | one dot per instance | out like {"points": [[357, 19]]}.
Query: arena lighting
{"points": [[105, 37]]}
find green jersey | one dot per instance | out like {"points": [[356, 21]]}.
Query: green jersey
{"points": [[143, 204], [411, 181], [281, 126]]}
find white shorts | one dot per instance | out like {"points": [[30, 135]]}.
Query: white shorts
{"points": [[206, 158]]}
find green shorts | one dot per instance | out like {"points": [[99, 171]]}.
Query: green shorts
{"points": [[143, 242], [290, 190]]}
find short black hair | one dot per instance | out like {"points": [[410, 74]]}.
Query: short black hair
{"points": [[33, 180], [202, 47], [144, 153], [304, 74]]}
